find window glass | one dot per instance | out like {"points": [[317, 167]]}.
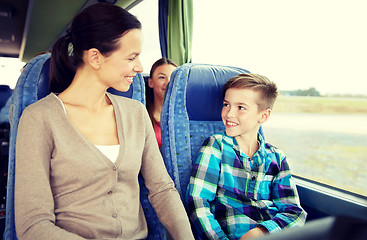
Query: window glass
{"points": [[10, 69], [147, 13], [315, 51]]}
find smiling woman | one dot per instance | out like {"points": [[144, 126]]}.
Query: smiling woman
{"points": [[118, 69], [87, 191]]}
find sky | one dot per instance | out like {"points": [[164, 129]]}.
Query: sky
{"points": [[297, 44]]}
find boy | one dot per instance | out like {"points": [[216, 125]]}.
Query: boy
{"points": [[240, 186]]}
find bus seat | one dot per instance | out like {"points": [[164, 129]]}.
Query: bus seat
{"points": [[24, 94], [191, 113], [5, 93], [146, 77], [4, 111], [32, 85]]}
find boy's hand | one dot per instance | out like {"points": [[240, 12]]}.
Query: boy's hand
{"points": [[255, 232]]}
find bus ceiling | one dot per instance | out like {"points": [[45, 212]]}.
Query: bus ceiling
{"points": [[29, 27]]}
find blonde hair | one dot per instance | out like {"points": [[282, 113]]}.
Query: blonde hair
{"points": [[267, 89]]}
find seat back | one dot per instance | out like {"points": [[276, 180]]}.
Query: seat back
{"points": [[191, 113], [4, 111], [25, 93], [5, 93], [32, 85]]}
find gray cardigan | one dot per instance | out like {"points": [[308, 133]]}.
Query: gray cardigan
{"points": [[65, 188]]}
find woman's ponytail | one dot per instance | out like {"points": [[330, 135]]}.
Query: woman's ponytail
{"points": [[62, 70]]}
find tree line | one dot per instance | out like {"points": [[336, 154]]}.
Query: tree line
{"points": [[308, 92]]}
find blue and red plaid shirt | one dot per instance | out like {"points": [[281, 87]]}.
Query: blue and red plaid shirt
{"points": [[230, 193]]}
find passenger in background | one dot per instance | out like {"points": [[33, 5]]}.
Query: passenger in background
{"points": [[241, 187], [80, 149], [159, 77]]}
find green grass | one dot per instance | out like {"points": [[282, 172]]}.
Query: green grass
{"points": [[293, 104]]}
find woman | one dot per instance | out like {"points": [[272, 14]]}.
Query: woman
{"points": [[80, 149], [159, 77]]}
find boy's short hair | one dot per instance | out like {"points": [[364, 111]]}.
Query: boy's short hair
{"points": [[261, 84]]}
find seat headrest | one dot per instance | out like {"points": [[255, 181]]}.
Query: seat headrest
{"points": [[43, 88], [204, 90], [128, 94]]}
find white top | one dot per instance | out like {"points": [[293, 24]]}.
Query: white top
{"points": [[110, 151]]}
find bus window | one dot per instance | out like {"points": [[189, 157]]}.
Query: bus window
{"points": [[10, 70], [315, 51], [147, 13]]}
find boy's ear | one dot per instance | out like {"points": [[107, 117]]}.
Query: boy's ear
{"points": [[265, 115], [94, 58]]}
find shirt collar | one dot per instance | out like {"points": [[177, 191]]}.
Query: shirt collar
{"points": [[232, 141]]}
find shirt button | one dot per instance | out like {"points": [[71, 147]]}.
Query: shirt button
{"points": [[253, 178], [114, 215], [114, 168], [109, 193]]}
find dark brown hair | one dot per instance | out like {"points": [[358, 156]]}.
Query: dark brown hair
{"points": [[99, 26], [267, 89]]}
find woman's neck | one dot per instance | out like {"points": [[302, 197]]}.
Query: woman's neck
{"points": [[85, 90]]}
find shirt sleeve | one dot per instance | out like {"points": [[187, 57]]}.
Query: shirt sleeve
{"points": [[162, 192], [285, 198], [202, 190], [33, 199]]}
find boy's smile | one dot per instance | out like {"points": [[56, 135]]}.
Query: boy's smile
{"points": [[231, 124]]}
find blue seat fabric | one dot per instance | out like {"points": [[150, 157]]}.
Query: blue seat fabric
{"points": [[32, 85]]}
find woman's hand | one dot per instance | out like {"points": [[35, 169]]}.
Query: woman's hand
{"points": [[255, 232]]}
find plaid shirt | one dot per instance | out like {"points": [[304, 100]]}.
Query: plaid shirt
{"points": [[230, 193]]}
